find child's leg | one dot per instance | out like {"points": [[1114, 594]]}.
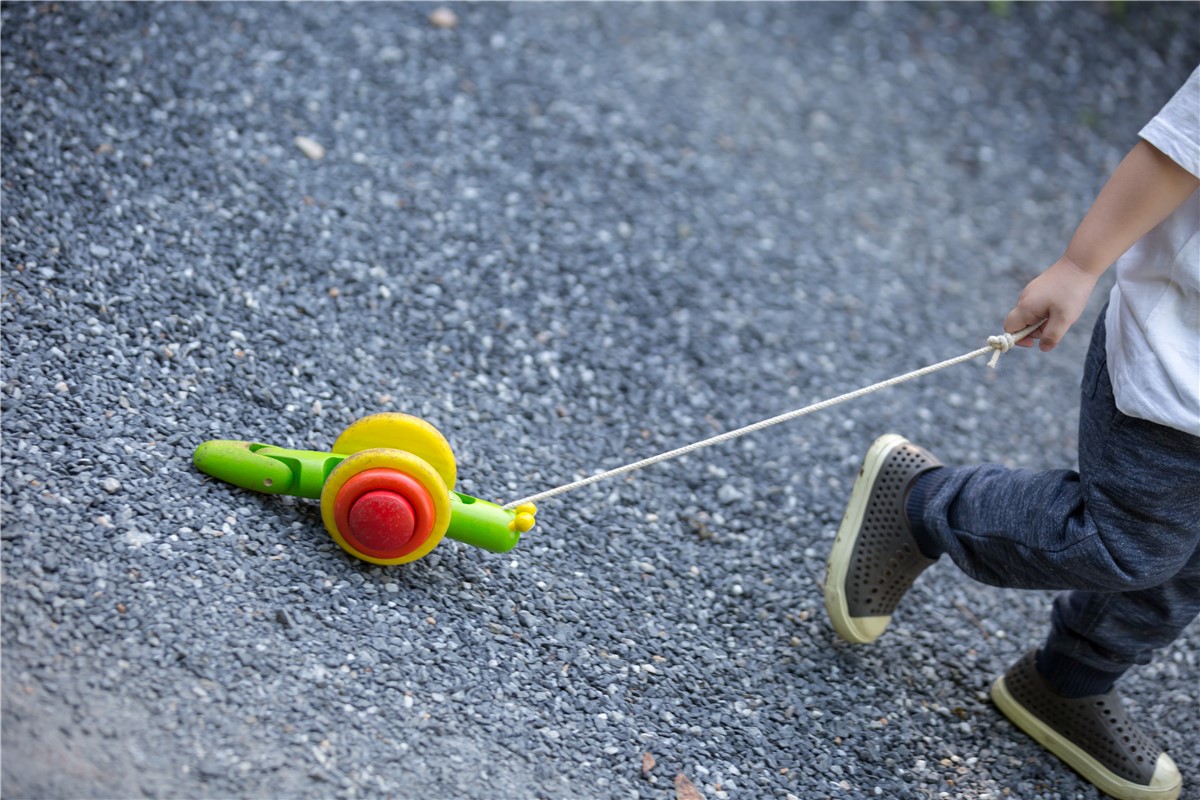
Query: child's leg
{"points": [[1062, 695], [1097, 636], [1130, 519], [1124, 529], [1123, 532]]}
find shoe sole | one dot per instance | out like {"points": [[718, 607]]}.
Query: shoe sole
{"points": [[1079, 760], [849, 628]]}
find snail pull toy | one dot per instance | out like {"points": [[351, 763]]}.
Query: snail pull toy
{"points": [[386, 489]]}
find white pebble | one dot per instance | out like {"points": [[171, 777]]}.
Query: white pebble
{"points": [[443, 18], [310, 147]]}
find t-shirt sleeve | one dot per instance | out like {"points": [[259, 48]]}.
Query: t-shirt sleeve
{"points": [[1176, 129]]}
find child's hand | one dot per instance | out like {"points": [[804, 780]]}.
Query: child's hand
{"points": [[1059, 296]]}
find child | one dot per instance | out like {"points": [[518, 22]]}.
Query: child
{"points": [[1122, 532]]}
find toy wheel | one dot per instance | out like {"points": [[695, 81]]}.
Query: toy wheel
{"points": [[401, 432], [385, 506]]}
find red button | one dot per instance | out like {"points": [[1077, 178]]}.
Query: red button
{"points": [[390, 481], [382, 521]]}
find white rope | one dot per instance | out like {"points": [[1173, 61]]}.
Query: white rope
{"points": [[997, 346]]}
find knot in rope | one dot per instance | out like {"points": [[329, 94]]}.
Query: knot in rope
{"points": [[1004, 342], [1001, 343]]}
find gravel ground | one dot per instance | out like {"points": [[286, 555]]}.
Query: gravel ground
{"points": [[570, 236]]}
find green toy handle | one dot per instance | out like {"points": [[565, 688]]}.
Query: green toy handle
{"points": [[266, 468]]}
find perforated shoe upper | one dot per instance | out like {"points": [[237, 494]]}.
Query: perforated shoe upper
{"points": [[886, 559], [1099, 724]]}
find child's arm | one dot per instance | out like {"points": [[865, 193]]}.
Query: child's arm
{"points": [[1143, 191]]}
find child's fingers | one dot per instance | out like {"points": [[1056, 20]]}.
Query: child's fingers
{"points": [[1055, 299], [1021, 318], [1033, 336], [1052, 333]]}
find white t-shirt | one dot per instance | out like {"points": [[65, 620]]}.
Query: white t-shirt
{"points": [[1153, 316]]}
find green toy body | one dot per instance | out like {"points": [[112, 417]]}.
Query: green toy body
{"points": [[402, 490]]}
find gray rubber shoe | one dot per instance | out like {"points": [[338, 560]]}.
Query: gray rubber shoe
{"points": [[1093, 735], [875, 558]]}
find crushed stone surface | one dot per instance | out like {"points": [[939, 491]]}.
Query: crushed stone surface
{"points": [[570, 236]]}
